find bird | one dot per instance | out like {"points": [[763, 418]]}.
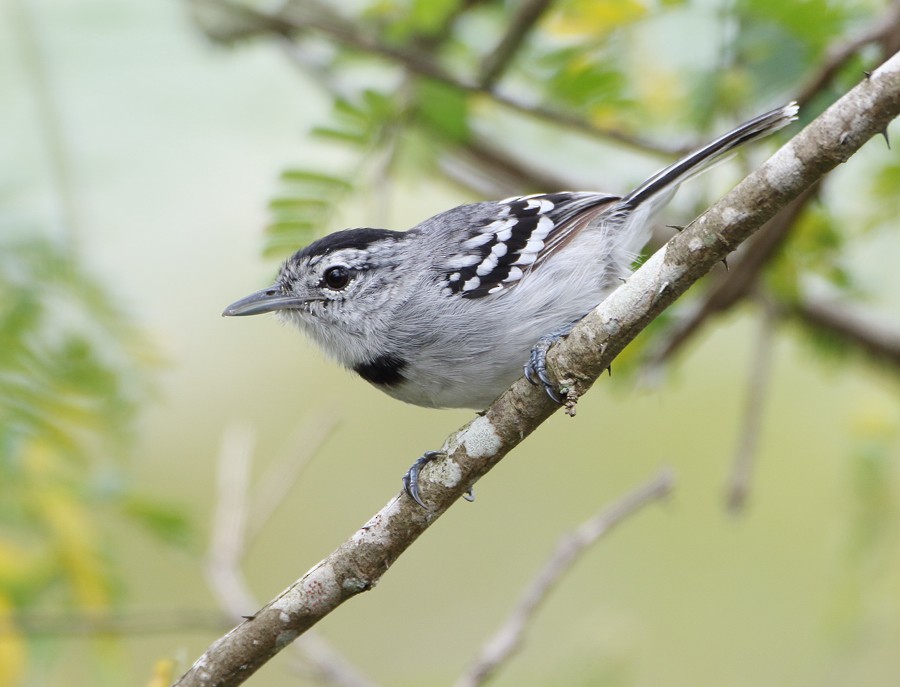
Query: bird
{"points": [[451, 312]]}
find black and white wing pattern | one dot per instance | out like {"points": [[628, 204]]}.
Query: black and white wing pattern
{"points": [[524, 231]]}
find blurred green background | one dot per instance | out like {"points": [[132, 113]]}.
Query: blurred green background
{"points": [[159, 159]]}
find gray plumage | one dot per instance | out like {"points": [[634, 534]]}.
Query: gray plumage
{"points": [[445, 314]]}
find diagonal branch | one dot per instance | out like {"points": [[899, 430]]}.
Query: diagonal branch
{"points": [[509, 637], [878, 341], [738, 283], [525, 19], [293, 16], [741, 477], [357, 564], [885, 30]]}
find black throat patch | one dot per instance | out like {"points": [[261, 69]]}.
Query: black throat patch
{"points": [[385, 370]]}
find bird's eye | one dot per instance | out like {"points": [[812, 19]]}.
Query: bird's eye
{"points": [[336, 277]]}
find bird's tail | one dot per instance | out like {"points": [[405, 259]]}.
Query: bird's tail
{"points": [[664, 182]]}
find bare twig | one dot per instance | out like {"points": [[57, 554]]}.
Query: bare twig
{"points": [[224, 569], [293, 16], [286, 469], [738, 282], [751, 427], [523, 21], [49, 118], [875, 338], [507, 640], [482, 168], [357, 564], [884, 30]]}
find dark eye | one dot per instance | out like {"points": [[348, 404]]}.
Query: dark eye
{"points": [[336, 277]]}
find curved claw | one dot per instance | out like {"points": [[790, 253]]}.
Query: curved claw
{"points": [[411, 478], [536, 368], [529, 375]]}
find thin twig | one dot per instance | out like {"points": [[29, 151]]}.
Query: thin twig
{"points": [[50, 120], [870, 335], [490, 172], [274, 485], [292, 16], [523, 22], [507, 640], [224, 569], [737, 283], [758, 380], [885, 30]]}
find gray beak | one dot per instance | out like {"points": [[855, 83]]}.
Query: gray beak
{"points": [[265, 300]]}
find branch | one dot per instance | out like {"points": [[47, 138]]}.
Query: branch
{"points": [[569, 549], [748, 442], [738, 282], [294, 16], [525, 19], [357, 564], [884, 30], [234, 523], [881, 343]]}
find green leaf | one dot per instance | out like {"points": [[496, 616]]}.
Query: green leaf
{"points": [[166, 521], [443, 110], [313, 178]]}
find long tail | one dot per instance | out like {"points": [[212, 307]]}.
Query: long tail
{"points": [[668, 179]]}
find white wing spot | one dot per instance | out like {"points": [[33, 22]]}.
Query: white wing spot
{"points": [[461, 261], [525, 259], [487, 266], [515, 274], [477, 240]]}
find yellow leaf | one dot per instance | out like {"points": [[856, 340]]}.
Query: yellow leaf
{"points": [[20, 565], [163, 673], [74, 539], [12, 647], [595, 17]]}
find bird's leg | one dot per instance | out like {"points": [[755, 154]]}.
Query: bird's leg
{"points": [[536, 367]]}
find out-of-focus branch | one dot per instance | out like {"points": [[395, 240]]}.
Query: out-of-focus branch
{"points": [[232, 526], [738, 282], [741, 476], [302, 16], [49, 118], [523, 21], [356, 565], [480, 167], [507, 640], [876, 339], [885, 31]]}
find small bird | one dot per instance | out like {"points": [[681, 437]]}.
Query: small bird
{"points": [[447, 313]]}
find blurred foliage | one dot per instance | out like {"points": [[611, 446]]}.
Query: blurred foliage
{"points": [[70, 384]]}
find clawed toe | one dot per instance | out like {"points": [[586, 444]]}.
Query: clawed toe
{"points": [[411, 478], [536, 368]]}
